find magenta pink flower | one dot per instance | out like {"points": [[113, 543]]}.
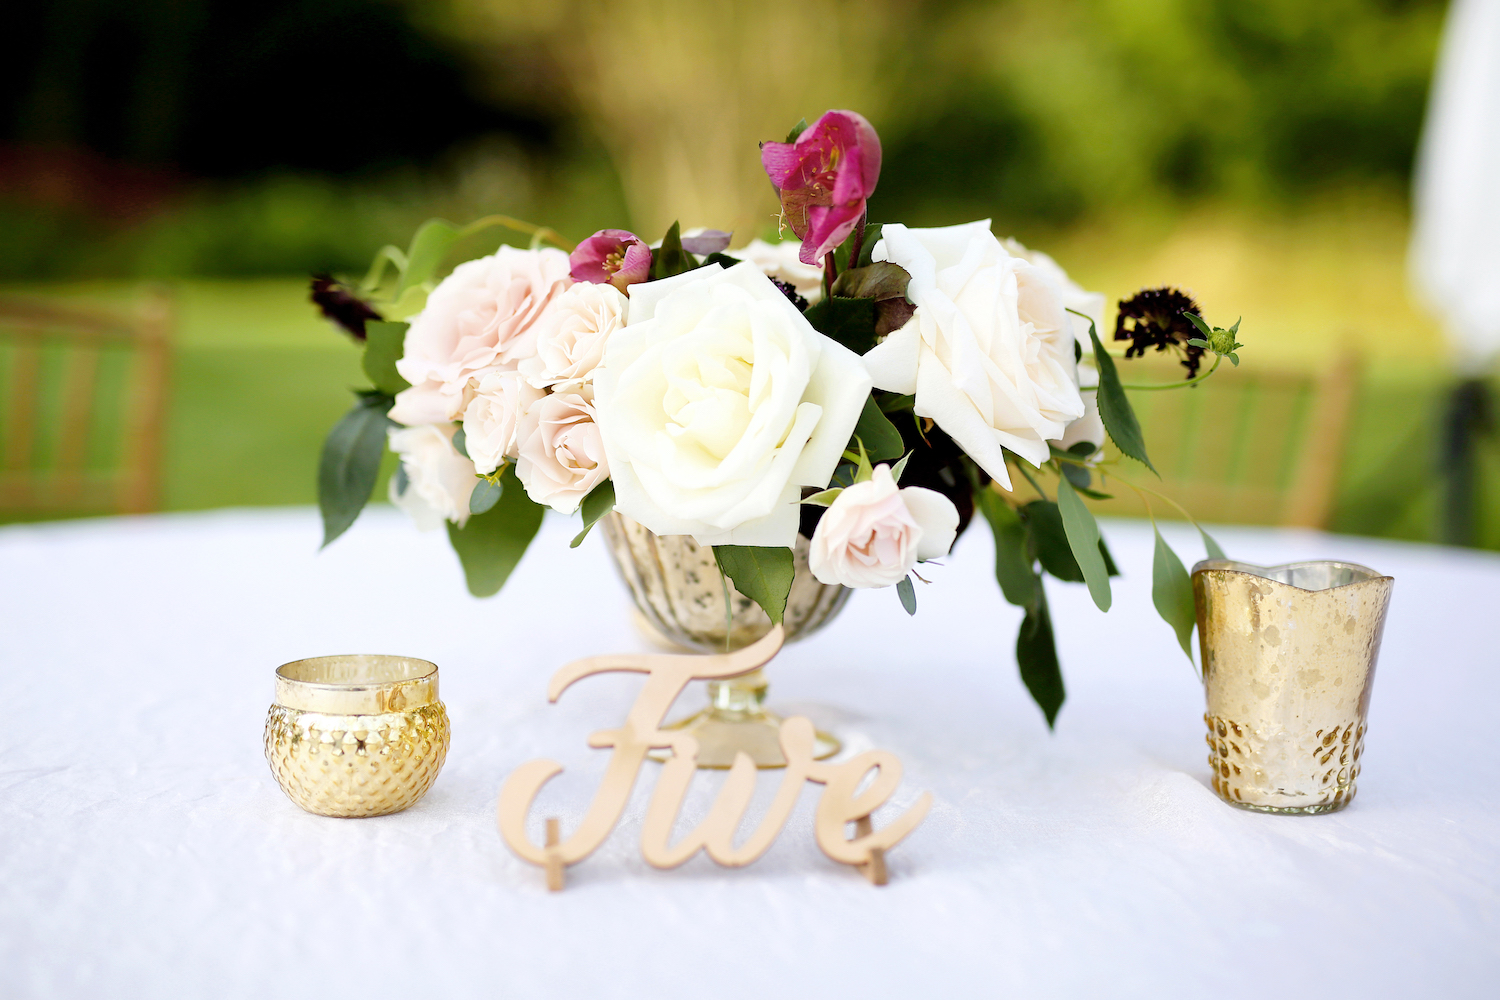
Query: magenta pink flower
{"points": [[611, 257], [824, 178]]}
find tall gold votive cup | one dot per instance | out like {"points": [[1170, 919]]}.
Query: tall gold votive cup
{"points": [[356, 735], [1288, 663]]}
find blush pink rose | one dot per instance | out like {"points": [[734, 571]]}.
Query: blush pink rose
{"points": [[874, 533], [479, 318], [562, 454]]}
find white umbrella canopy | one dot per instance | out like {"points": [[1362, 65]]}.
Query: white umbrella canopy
{"points": [[1455, 250]]}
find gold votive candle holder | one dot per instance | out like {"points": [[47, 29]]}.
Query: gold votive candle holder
{"points": [[356, 735], [1288, 657]]}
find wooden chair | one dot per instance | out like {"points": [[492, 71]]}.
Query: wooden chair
{"points": [[82, 407], [1252, 445]]}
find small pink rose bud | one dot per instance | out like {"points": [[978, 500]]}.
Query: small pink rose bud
{"points": [[824, 179], [611, 257]]}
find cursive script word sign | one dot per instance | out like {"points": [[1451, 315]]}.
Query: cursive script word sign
{"points": [[842, 801]]}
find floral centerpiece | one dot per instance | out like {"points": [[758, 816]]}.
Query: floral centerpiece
{"points": [[866, 386]]}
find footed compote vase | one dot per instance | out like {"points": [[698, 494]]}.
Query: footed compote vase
{"points": [[680, 600]]}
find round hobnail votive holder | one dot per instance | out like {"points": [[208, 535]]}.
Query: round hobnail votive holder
{"points": [[356, 735]]}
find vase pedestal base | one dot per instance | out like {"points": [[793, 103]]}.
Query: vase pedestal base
{"points": [[735, 721]]}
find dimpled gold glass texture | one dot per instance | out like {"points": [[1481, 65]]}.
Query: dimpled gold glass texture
{"points": [[357, 735], [680, 597], [1288, 663]]}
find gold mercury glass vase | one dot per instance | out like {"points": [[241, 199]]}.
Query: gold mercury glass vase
{"points": [[680, 601], [356, 735], [1288, 662]]}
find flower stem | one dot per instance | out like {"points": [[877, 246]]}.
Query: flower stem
{"points": [[858, 242], [1218, 360]]}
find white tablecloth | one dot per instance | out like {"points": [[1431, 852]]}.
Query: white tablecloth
{"points": [[146, 851]]}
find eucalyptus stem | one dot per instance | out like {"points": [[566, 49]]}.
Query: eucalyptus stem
{"points": [[1032, 480], [1160, 496], [521, 226]]}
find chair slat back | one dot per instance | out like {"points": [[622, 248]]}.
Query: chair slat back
{"points": [[84, 407], [1251, 445]]}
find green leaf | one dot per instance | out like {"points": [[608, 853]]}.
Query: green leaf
{"points": [[384, 343], [1013, 565], [908, 595], [460, 441], [761, 573], [1036, 655], [1203, 327], [900, 467], [670, 258], [1109, 560], [881, 439], [1210, 546], [797, 130], [1114, 406], [486, 494], [490, 544], [600, 501], [1049, 539], [1172, 593], [882, 280], [1083, 539], [890, 403], [1076, 474], [350, 463], [824, 498], [433, 240], [872, 237], [851, 322]]}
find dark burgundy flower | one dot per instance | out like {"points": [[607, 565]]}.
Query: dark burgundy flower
{"points": [[341, 306], [1153, 317]]}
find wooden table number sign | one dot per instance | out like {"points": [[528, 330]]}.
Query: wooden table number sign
{"points": [[841, 804]]}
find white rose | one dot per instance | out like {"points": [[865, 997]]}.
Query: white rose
{"points": [[1091, 304], [873, 533], [438, 479], [570, 336], [479, 317], [718, 402], [491, 420], [1090, 426], [989, 351], [562, 457], [780, 261]]}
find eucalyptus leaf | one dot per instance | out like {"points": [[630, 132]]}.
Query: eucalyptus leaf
{"points": [[350, 463], [1013, 565], [1076, 474], [384, 343], [900, 467], [1049, 540], [1036, 655], [1210, 546], [1172, 593], [600, 501], [486, 494], [1083, 539], [433, 240], [461, 441], [908, 594], [1114, 406], [761, 573], [491, 543], [881, 439]]}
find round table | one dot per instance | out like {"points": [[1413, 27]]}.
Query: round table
{"points": [[146, 851]]}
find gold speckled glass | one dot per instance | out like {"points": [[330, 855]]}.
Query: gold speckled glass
{"points": [[357, 735], [1288, 663], [682, 602]]}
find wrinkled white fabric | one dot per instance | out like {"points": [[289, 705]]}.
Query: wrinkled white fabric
{"points": [[146, 852]]}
